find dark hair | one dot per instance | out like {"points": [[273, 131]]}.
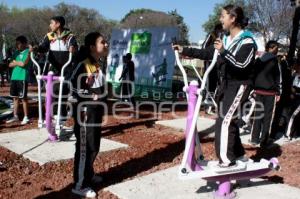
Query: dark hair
{"points": [[271, 44], [217, 32], [60, 19], [89, 40], [238, 13], [22, 39], [128, 56]]}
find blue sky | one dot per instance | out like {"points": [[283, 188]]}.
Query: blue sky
{"points": [[195, 12]]}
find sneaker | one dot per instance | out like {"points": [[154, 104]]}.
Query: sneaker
{"points": [[243, 158], [97, 179], [86, 192], [210, 112], [62, 120], [286, 139], [25, 120], [226, 165], [13, 119], [242, 130]]}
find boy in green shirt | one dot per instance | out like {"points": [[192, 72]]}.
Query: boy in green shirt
{"points": [[19, 85]]}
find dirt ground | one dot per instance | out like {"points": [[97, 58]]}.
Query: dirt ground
{"points": [[151, 148]]}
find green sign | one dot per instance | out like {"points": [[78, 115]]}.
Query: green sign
{"points": [[140, 43]]}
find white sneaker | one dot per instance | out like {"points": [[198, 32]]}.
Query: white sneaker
{"points": [[62, 120], [243, 158], [86, 192], [13, 119], [286, 139], [25, 120]]}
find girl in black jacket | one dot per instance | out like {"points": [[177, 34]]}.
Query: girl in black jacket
{"points": [[89, 83], [235, 65]]}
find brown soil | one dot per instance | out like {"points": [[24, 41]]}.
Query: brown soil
{"points": [[151, 148]]}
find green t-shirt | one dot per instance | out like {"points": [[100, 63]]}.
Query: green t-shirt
{"points": [[20, 73]]}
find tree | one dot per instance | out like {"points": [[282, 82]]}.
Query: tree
{"points": [[183, 28], [294, 37], [34, 23], [270, 18], [142, 18], [82, 21], [213, 19]]}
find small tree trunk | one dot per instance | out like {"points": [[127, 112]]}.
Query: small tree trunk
{"points": [[294, 37]]}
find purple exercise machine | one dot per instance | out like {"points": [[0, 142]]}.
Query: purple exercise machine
{"points": [[50, 78], [191, 168]]}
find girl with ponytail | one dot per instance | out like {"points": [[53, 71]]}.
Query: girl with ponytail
{"points": [[89, 82], [236, 55]]}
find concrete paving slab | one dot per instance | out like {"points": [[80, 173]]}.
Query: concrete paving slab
{"points": [[206, 128], [280, 142], [203, 124], [34, 145], [165, 185]]}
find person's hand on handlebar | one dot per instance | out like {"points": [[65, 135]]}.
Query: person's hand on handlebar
{"points": [[72, 49], [32, 48], [177, 47], [219, 45]]}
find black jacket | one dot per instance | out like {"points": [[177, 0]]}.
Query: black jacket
{"points": [[235, 64], [268, 74], [58, 48], [79, 79]]}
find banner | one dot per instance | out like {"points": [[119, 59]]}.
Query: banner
{"points": [[152, 54]]}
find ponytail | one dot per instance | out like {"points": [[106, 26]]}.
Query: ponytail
{"points": [[82, 53]]}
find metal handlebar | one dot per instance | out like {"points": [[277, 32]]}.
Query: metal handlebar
{"points": [[209, 69], [61, 81], [38, 78], [35, 63], [181, 69], [66, 64]]}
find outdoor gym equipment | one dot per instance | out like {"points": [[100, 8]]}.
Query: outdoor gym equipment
{"points": [[53, 132], [192, 167]]}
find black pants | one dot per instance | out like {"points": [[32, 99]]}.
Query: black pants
{"points": [[128, 91], [293, 127], [263, 118], [281, 113], [227, 138], [87, 143]]}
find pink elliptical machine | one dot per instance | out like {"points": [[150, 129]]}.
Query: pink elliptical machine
{"points": [[53, 132], [191, 168]]}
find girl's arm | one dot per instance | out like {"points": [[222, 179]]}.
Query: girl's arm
{"points": [[23, 63], [203, 54], [12, 64]]}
